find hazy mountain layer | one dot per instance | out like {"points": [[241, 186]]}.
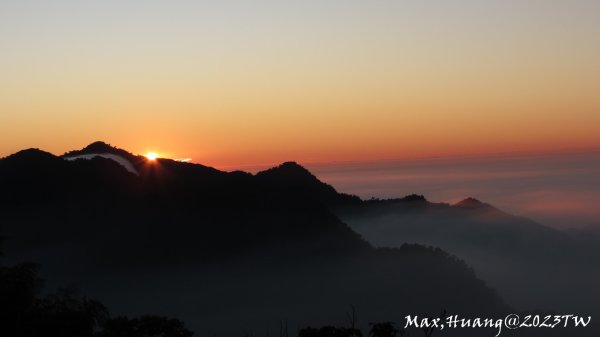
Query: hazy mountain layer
{"points": [[532, 266]]}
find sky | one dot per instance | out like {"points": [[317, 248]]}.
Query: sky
{"points": [[231, 83]]}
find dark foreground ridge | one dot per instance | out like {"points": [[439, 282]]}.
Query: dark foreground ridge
{"points": [[227, 252]]}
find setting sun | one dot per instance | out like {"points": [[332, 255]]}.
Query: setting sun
{"points": [[151, 156]]}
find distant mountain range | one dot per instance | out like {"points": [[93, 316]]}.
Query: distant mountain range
{"points": [[205, 245]]}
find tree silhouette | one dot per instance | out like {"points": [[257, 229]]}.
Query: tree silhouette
{"points": [[22, 314], [329, 331], [18, 285], [352, 317], [145, 326], [384, 329], [61, 315]]}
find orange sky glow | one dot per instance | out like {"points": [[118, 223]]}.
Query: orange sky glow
{"points": [[233, 85]]}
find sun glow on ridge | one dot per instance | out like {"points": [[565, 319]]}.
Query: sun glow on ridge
{"points": [[151, 155]]}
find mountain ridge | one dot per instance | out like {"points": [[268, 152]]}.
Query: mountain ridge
{"points": [[92, 223], [97, 218], [100, 147]]}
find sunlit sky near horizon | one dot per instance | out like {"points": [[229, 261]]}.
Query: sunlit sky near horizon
{"points": [[231, 83], [559, 191]]}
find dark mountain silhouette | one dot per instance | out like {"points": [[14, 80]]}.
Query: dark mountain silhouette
{"points": [[187, 240], [190, 241], [290, 176], [473, 203], [101, 147]]}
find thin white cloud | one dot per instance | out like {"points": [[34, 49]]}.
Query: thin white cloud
{"points": [[122, 161]]}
